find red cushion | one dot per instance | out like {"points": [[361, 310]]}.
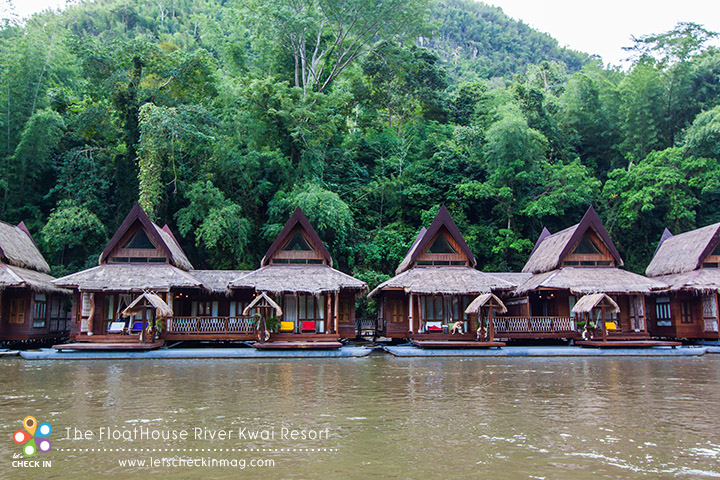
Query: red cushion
{"points": [[308, 325], [433, 328]]}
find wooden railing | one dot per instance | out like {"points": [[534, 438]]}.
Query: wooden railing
{"points": [[534, 324], [210, 325]]}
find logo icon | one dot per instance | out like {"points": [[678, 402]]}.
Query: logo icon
{"points": [[34, 437]]}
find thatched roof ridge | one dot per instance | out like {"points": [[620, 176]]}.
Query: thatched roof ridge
{"points": [[298, 217], [217, 281], [407, 259], [12, 276], [550, 250], [683, 252], [129, 278], [18, 248], [443, 281], [312, 279], [704, 280], [584, 280], [586, 303], [162, 309], [484, 299], [513, 278], [162, 237], [442, 219]]}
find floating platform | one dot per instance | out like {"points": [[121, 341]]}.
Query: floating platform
{"points": [[107, 346], [456, 344], [8, 353], [412, 351], [296, 345], [193, 353], [627, 343]]}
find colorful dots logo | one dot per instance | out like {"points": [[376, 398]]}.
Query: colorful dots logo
{"points": [[34, 437]]}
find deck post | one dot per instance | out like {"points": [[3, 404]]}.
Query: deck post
{"points": [[336, 311], [644, 315], [410, 312], [491, 328], [604, 327]]}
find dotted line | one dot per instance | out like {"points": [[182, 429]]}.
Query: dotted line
{"points": [[195, 450]]}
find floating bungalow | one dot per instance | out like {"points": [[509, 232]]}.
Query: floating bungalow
{"points": [[316, 302], [563, 268], [689, 263], [144, 260], [32, 308], [428, 298]]}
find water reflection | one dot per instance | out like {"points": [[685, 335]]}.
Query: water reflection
{"points": [[396, 418]]}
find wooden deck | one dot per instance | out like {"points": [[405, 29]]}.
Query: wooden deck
{"points": [[109, 346], [627, 343], [297, 345], [456, 344]]}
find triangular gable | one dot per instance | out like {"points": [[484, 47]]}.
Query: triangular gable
{"points": [[665, 235], [591, 220], [442, 220], [162, 238], [543, 235], [18, 248], [551, 250], [297, 220]]}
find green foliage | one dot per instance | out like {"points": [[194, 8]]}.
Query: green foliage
{"points": [[367, 115], [73, 238], [217, 224]]}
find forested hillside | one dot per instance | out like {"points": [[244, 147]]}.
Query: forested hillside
{"points": [[222, 116]]}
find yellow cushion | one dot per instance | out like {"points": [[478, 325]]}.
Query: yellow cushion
{"points": [[610, 326], [287, 326]]}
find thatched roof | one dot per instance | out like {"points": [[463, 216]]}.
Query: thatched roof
{"points": [[261, 301], [550, 250], [162, 309], [129, 278], [513, 278], [485, 300], [684, 252], [162, 237], [584, 280], [298, 217], [588, 302], [704, 280], [217, 281], [18, 248], [442, 219], [313, 279], [443, 281], [11, 276]]}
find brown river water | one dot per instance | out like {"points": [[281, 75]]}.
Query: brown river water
{"points": [[376, 417]]}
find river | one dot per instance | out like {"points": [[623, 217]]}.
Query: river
{"points": [[376, 417]]}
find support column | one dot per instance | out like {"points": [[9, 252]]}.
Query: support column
{"points": [[491, 327], [410, 312], [336, 311]]}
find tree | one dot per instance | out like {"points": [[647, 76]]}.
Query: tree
{"points": [[219, 228], [676, 45], [73, 238], [665, 189], [324, 37], [702, 138]]}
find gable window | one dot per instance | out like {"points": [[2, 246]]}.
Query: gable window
{"points": [[139, 241], [298, 242], [442, 246], [586, 247], [662, 312]]}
